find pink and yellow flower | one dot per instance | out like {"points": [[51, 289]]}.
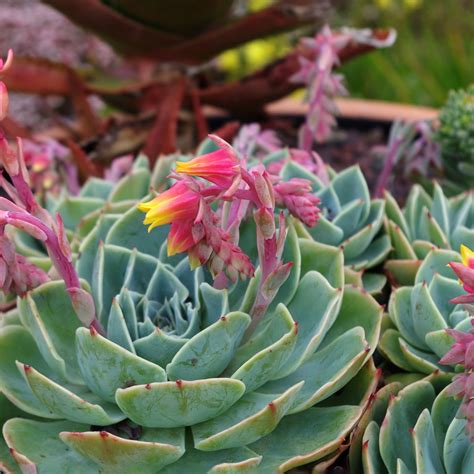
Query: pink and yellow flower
{"points": [[220, 167], [180, 237], [178, 203], [465, 273]]}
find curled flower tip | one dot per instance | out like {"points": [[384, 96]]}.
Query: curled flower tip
{"points": [[465, 273], [221, 167], [467, 256], [3, 101], [296, 196], [5, 66], [180, 202]]}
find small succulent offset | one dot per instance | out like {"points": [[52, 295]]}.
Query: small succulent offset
{"points": [[131, 361], [412, 429], [426, 222], [422, 318], [455, 135]]}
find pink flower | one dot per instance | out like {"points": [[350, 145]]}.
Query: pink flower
{"points": [[178, 203], [180, 237], [462, 351], [296, 195], [221, 167], [465, 272]]}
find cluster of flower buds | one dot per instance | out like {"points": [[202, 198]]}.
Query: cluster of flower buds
{"points": [[321, 83], [465, 272], [462, 353], [23, 212], [211, 236]]}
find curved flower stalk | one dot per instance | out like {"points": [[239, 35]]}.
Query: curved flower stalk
{"points": [[24, 213], [426, 222], [417, 333], [412, 429], [195, 227]]}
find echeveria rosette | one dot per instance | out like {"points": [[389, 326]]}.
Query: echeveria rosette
{"points": [[415, 428], [424, 223], [416, 332], [269, 402], [349, 219]]}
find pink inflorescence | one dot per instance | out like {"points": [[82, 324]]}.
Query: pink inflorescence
{"points": [[462, 351], [213, 193]]}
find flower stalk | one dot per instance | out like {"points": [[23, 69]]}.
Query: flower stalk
{"points": [[211, 236]]}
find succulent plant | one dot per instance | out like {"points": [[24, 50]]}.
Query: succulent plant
{"points": [[166, 377], [426, 222], [412, 429], [349, 219], [415, 335], [455, 135]]}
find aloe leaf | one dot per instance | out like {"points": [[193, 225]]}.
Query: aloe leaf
{"points": [[266, 364], [251, 418], [81, 407], [73, 209], [132, 186], [48, 314], [305, 437], [107, 366], [153, 451], [401, 417], [371, 460], [425, 315], [209, 352], [426, 452], [314, 316], [129, 232], [401, 244], [17, 343], [322, 373], [36, 447], [390, 347], [402, 272], [375, 414], [325, 232], [180, 403], [457, 448], [226, 461], [214, 303], [327, 260], [159, 347], [436, 263]]}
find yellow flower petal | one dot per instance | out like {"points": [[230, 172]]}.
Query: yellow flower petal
{"points": [[466, 255]]}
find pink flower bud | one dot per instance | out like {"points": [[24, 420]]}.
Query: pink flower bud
{"points": [[265, 221], [220, 167], [263, 188]]}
